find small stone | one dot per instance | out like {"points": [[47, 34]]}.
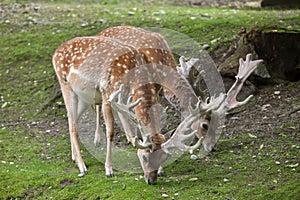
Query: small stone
{"points": [[252, 136], [162, 12], [261, 146], [226, 180], [277, 92], [194, 157], [165, 195], [277, 163], [131, 13], [293, 165], [205, 47], [264, 107], [193, 179]]}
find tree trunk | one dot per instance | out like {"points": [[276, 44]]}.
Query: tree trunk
{"points": [[281, 3]]}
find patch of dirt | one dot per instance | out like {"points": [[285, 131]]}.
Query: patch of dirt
{"points": [[64, 183], [275, 109]]}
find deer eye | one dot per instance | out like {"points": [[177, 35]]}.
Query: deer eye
{"points": [[204, 126]]}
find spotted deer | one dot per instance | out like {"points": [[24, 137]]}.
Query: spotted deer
{"points": [[90, 71], [154, 151]]}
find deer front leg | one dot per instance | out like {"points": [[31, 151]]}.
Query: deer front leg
{"points": [[109, 122], [128, 132]]}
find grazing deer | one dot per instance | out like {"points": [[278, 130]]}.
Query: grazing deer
{"points": [[90, 70], [154, 151]]}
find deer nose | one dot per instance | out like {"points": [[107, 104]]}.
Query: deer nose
{"points": [[151, 182], [151, 179]]}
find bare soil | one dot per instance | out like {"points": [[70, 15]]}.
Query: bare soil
{"points": [[274, 110]]}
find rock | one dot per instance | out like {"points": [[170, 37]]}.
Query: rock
{"points": [[165, 195]]}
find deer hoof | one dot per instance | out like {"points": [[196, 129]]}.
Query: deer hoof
{"points": [[161, 174], [109, 175], [81, 174], [97, 144]]}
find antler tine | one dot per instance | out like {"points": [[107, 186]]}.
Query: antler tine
{"points": [[185, 68], [119, 106], [145, 145], [114, 94], [245, 69], [213, 104], [196, 109], [191, 149], [125, 108], [208, 105]]}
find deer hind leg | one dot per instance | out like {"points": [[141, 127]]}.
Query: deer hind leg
{"points": [[75, 108], [109, 122], [98, 132]]}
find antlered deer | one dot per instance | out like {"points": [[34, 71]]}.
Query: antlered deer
{"points": [[153, 153], [90, 69]]}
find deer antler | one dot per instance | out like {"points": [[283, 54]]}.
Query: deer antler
{"points": [[184, 131], [115, 99], [245, 69]]}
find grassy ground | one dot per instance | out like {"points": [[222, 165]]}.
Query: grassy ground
{"points": [[35, 154]]}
